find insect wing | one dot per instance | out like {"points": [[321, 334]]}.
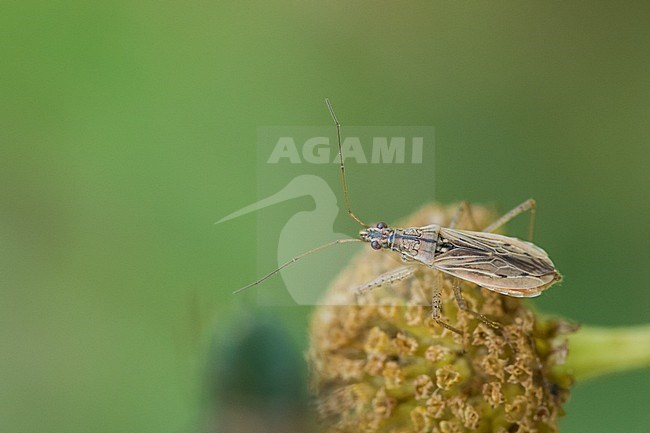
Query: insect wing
{"points": [[499, 263]]}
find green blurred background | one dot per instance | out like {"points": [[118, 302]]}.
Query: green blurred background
{"points": [[128, 128]]}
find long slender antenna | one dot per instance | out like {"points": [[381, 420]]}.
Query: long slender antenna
{"points": [[345, 184], [295, 259]]}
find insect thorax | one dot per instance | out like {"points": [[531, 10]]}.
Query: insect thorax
{"points": [[421, 244]]}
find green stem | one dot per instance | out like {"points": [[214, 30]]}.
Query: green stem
{"points": [[596, 351]]}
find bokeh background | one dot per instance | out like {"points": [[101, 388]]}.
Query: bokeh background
{"points": [[128, 128]]}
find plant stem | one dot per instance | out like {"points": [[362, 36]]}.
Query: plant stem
{"points": [[596, 351]]}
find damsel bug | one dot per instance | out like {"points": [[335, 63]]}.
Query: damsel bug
{"points": [[499, 263]]}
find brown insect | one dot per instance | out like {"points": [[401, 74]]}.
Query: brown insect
{"points": [[503, 264]]}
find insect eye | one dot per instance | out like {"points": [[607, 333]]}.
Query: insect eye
{"points": [[375, 245], [382, 225]]}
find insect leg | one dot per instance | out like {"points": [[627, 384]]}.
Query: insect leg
{"points": [[528, 205], [494, 325], [436, 307], [463, 306], [387, 278], [463, 209], [343, 180]]}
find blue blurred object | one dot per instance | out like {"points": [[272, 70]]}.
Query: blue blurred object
{"points": [[256, 380]]}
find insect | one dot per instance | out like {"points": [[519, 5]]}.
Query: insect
{"points": [[503, 264]]}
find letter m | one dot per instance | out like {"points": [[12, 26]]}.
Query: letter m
{"points": [[388, 152]]}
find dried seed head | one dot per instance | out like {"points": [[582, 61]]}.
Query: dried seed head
{"points": [[380, 364]]}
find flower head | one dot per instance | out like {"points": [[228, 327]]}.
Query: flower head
{"points": [[380, 363]]}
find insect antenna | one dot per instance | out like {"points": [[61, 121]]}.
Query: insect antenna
{"points": [[295, 259], [345, 184]]}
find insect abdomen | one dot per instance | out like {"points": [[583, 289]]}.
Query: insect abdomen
{"points": [[500, 263]]}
